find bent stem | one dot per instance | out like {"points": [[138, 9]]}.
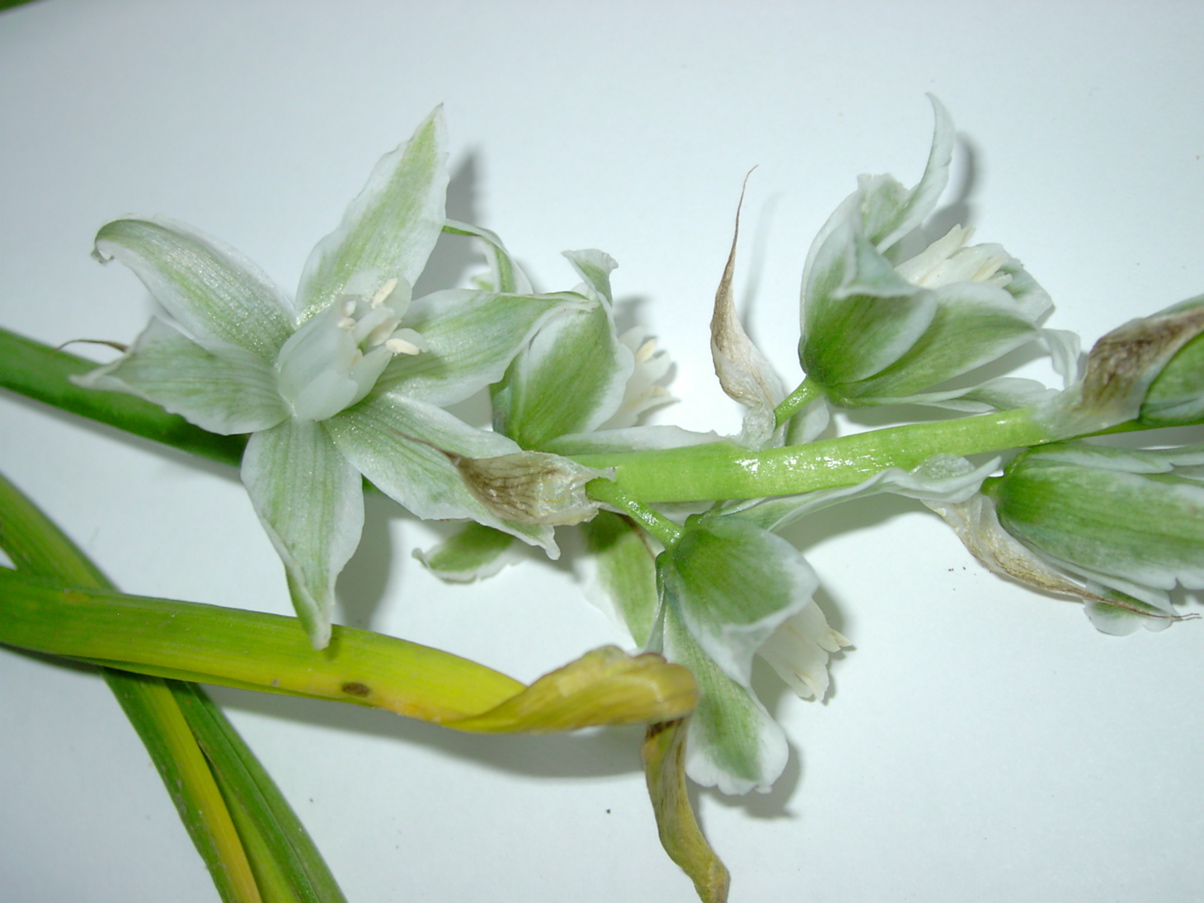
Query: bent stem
{"points": [[36, 546]]}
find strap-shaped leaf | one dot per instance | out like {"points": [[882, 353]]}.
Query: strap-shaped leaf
{"points": [[258, 651]]}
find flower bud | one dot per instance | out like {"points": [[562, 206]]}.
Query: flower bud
{"points": [[1121, 521], [1149, 369], [882, 327]]}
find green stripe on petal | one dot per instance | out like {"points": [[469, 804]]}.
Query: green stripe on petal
{"points": [[859, 316], [311, 502], [391, 227], [471, 337], [734, 743], [507, 275], [733, 584], [975, 323], [571, 378], [213, 291], [1127, 519], [620, 573], [228, 393], [594, 267], [406, 447], [472, 553]]}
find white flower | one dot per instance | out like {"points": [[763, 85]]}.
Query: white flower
{"points": [[879, 327], [349, 383]]}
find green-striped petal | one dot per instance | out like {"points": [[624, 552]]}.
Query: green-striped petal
{"points": [[734, 744], [228, 393], [389, 229], [311, 503], [471, 338], [407, 449], [219, 296]]}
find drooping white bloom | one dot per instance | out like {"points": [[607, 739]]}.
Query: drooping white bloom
{"points": [[883, 327]]}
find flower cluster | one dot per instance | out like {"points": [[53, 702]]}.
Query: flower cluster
{"points": [[354, 378]]}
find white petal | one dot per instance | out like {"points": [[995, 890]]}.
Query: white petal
{"points": [[404, 447], [595, 268], [734, 584], [471, 338], [734, 744], [890, 214], [944, 479], [310, 500], [228, 393], [799, 649], [570, 379], [389, 229], [507, 275], [619, 573], [216, 294], [472, 553]]}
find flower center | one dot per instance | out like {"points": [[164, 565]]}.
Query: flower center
{"points": [[334, 359], [948, 260]]}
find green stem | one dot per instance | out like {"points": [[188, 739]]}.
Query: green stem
{"points": [[725, 471], [717, 471], [806, 392], [34, 544], [666, 531], [244, 649]]}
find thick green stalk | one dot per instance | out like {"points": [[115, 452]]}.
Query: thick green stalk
{"points": [[717, 471], [244, 649], [38, 547], [256, 651], [286, 863], [725, 471]]}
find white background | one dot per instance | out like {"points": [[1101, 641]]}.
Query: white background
{"points": [[981, 742]]}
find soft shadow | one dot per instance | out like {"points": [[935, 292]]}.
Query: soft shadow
{"points": [[849, 517], [111, 433], [455, 256], [959, 211], [585, 754], [361, 586]]}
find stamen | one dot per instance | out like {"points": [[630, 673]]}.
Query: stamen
{"points": [[383, 293], [401, 346]]}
